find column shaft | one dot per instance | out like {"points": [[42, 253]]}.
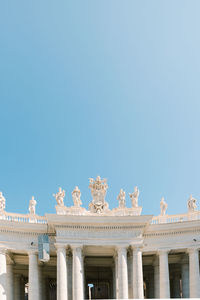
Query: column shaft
{"points": [[10, 279], [116, 278], [185, 280], [164, 275], [69, 277], [3, 275], [122, 273], [17, 286], [34, 286], [138, 290], [61, 274], [194, 273], [77, 273], [156, 281], [176, 286], [114, 281], [130, 275]]}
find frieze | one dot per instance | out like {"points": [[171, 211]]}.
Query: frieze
{"points": [[88, 227], [100, 234], [146, 235]]}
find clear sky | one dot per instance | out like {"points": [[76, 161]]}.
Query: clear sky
{"points": [[109, 88]]}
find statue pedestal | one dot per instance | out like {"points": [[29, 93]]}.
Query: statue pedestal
{"points": [[73, 210], [76, 210], [126, 211], [163, 219], [32, 219], [192, 215], [60, 210], [135, 211]]}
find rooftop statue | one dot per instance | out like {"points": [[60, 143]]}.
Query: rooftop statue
{"points": [[76, 196], [2, 202], [192, 204], [134, 197], [60, 197], [121, 198], [98, 189], [163, 207], [32, 205]]}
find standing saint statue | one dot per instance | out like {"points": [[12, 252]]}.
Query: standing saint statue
{"points": [[32, 205], [192, 204], [134, 197], [60, 197], [76, 196], [121, 198], [163, 206]]}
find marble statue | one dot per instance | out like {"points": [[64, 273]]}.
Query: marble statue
{"points": [[192, 204], [76, 196], [32, 205], [98, 189], [163, 207], [121, 198], [134, 197], [60, 197], [2, 202]]}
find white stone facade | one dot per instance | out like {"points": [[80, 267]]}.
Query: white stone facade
{"points": [[99, 252]]}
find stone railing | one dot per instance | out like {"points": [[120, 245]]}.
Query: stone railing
{"points": [[13, 217], [176, 218]]}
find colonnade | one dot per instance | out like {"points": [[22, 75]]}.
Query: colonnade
{"points": [[189, 272]]}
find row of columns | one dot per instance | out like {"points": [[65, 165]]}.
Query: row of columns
{"points": [[136, 283], [121, 274], [11, 285], [190, 273], [77, 273], [161, 275]]}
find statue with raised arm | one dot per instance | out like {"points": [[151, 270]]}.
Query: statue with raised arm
{"points": [[121, 198], [2, 202], [60, 197], [76, 196], [32, 205], [163, 207], [134, 197], [192, 204]]}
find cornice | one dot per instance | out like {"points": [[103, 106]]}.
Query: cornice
{"points": [[98, 220], [22, 226], [168, 233], [10, 231], [94, 227]]}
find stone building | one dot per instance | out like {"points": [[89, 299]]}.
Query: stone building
{"points": [[99, 253]]}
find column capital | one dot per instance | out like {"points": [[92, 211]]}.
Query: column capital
{"points": [[192, 250], [60, 246], [136, 248], [32, 252], [163, 252], [119, 248], [76, 246], [3, 250]]}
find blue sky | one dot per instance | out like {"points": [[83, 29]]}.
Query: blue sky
{"points": [[107, 88]]}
